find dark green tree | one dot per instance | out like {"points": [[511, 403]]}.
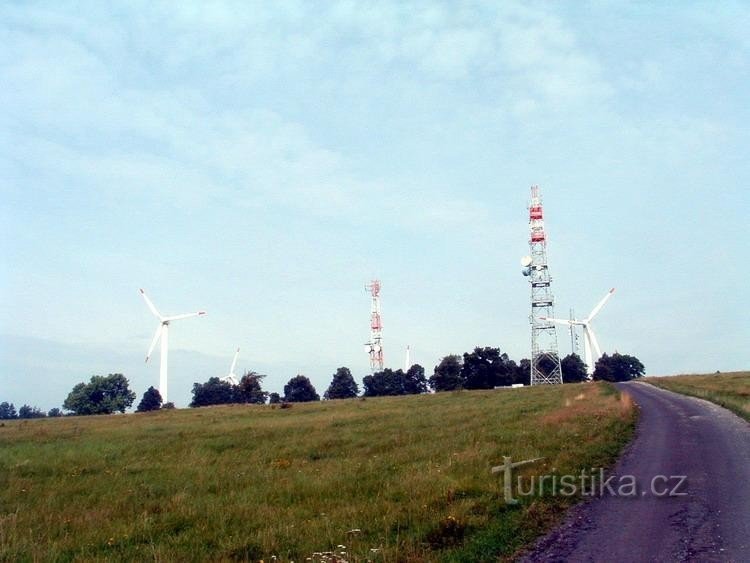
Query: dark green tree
{"points": [[486, 368], [415, 381], [27, 411], [618, 367], [151, 400], [523, 372], [274, 398], [384, 383], [342, 385], [7, 411], [102, 395], [447, 374], [54, 412], [299, 389], [573, 369], [212, 392], [249, 389]]}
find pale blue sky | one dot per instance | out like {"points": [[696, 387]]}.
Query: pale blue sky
{"points": [[263, 161]]}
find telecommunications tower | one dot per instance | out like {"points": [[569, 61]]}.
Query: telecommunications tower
{"points": [[375, 346], [545, 359]]}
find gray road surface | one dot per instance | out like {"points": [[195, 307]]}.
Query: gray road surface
{"points": [[676, 436]]}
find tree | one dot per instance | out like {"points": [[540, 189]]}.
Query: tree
{"points": [[54, 413], [212, 392], [618, 367], [342, 385], [151, 401], [102, 395], [447, 374], [486, 368], [384, 383], [249, 390], [523, 372], [299, 389], [274, 398], [7, 411], [27, 411], [573, 369], [415, 381]]}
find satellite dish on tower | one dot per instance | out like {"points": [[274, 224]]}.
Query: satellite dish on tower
{"points": [[526, 261]]}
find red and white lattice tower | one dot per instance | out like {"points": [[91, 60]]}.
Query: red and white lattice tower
{"points": [[545, 359], [375, 346]]}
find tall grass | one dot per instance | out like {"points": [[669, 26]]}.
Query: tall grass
{"points": [[390, 479], [730, 390]]}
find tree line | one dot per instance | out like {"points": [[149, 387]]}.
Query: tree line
{"points": [[483, 368]]}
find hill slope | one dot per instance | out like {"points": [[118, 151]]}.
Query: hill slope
{"points": [[730, 390], [403, 478]]}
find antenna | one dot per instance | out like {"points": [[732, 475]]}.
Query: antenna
{"points": [[545, 359], [573, 334], [375, 346]]}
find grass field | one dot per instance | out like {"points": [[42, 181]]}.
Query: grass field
{"points": [[730, 390], [391, 479]]}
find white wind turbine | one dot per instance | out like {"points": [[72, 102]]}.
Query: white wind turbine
{"points": [[591, 350], [232, 377], [162, 331]]}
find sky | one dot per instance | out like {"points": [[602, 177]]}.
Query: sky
{"points": [[264, 160]]}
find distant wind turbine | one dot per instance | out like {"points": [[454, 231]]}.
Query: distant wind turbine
{"points": [[407, 362], [162, 331], [591, 350], [231, 377]]}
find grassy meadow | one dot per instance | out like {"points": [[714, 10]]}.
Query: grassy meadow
{"points": [[386, 479], [730, 390]]}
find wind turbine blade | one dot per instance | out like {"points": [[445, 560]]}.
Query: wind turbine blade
{"points": [[185, 316], [601, 303], [234, 363], [151, 305], [597, 350], [157, 335]]}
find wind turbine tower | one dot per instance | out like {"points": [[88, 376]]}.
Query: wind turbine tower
{"points": [[375, 346], [545, 359], [162, 332]]}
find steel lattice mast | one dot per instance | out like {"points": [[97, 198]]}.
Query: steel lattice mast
{"points": [[375, 345], [545, 359]]}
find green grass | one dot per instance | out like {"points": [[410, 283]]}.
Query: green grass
{"points": [[246, 483], [730, 390]]}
